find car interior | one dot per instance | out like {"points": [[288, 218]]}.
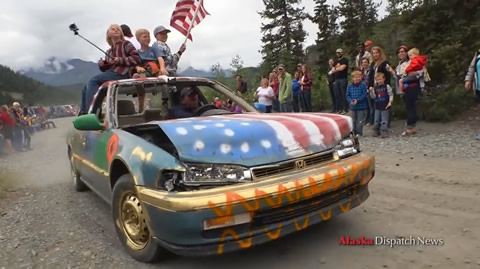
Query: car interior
{"points": [[159, 101]]}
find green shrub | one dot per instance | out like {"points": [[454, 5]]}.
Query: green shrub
{"points": [[445, 104]]}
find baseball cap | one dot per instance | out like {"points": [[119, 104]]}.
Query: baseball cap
{"points": [[160, 29], [368, 43], [339, 51], [188, 91], [281, 67]]}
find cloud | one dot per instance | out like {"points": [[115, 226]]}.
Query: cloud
{"points": [[32, 32]]}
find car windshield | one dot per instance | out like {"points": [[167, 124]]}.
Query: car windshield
{"points": [[149, 101]]}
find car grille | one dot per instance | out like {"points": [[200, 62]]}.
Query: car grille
{"points": [[301, 208], [267, 171]]}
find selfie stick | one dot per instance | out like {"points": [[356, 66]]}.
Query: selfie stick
{"points": [[74, 28]]}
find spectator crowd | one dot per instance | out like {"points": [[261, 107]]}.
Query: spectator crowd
{"points": [[18, 124], [368, 97]]}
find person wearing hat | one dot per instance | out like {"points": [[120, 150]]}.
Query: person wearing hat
{"points": [[362, 53], [285, 92], [299, 69], [129, 36], [340, 70], [171, 60], [368, 47], [188, 104]]}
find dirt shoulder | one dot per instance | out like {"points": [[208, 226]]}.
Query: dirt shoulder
{"points": [[425, 186]]}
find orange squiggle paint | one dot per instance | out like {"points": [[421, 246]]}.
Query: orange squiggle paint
{"points": [[232, 197], [305, 223], [274, 235], [345, 208], [230, 232], [328, 216]]}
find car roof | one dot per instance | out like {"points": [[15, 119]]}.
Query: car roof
{"points": [[160, 79]]}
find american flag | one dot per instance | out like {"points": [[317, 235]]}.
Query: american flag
{"points": [[184, 14]]}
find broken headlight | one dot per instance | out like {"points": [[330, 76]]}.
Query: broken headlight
{"points": [[215, 174], [348, 146]]}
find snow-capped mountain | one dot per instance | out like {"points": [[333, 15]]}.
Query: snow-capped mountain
{"points": [[56, 72], [60, 73]]}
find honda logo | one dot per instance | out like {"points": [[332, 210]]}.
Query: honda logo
{"points": [[300, 164]]}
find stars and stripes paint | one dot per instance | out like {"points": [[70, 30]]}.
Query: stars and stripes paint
{"points": [[253, 139], [188, 14]]}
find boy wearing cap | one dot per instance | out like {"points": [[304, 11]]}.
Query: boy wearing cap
{"points": [[171, 60]]}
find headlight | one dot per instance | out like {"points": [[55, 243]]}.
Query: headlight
{"points": [[199, 174], [347, 147]]}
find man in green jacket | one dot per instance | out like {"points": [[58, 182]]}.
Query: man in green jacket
{"points": [[285, 89]]}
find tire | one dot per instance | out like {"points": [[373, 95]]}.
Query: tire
{"points": [[77, 181], [137, 241]]}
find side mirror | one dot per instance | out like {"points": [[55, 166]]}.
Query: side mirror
{"points": [[88, 122]]}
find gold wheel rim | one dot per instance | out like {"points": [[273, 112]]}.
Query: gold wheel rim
{"points": [[133, 222]]}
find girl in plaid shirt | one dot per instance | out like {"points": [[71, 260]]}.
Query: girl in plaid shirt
{"points": [[120, 64]]}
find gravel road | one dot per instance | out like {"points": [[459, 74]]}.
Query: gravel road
{"points": [[427, 186]]}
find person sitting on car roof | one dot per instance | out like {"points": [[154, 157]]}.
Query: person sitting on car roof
{"points": [[120, 64], [188, 104], [171, 60], [152, 63]]}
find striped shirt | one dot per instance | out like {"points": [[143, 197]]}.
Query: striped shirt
{"points": [[128, 56]]}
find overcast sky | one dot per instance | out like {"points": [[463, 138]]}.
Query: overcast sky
{"points": [[32, 31]]}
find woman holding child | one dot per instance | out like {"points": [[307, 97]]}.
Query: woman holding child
{"points": [[409, 73]]}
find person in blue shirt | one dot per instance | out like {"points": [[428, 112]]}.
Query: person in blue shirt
{"points": [[296, 92], [357, 98], [152, 63]]}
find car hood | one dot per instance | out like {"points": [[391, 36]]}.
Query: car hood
{"points": [[252, 139]]}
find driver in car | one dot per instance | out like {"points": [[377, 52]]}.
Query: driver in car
{"points": [[189, 104]]}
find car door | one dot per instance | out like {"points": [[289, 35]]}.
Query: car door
{"points": [[94, 168]]}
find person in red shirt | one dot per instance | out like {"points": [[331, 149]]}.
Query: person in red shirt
{"points": [[417, 63], [7, 130]]}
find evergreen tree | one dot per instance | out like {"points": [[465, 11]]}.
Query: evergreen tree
{"points": [[283, 34], [236, 65], [359, 17], [326, 19]]}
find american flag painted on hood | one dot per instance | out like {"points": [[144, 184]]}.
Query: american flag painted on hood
{"points": [[252, 139], [185, 16]]}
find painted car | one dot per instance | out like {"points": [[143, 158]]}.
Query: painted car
{"points": [[215, 182]]}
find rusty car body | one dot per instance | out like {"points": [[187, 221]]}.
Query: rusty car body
{"points": [[216, 182]]}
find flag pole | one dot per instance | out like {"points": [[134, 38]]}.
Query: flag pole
{"points": [[193, 21]]}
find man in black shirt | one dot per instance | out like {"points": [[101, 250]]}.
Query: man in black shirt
{"points": [[241, 85], [340, 69]]}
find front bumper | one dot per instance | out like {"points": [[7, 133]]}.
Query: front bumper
{"points": [[278, 206]]}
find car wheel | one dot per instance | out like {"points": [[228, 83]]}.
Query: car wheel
{"points": [[130, 221], [77, 182]]}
